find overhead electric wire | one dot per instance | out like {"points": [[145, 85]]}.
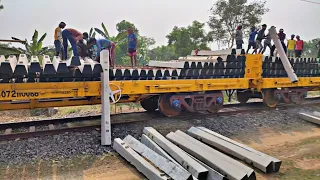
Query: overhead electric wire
{"points": [[310, 1]]}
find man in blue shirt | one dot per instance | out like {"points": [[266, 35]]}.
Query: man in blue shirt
{"points": [[252, 38], [103, 44], [132, 46]]}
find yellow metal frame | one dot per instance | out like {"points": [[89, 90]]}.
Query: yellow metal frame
{"points": [[267, 83], [28, 91]]}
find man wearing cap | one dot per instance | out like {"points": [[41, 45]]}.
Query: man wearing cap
{"points": [[282, 37], [74, 36], [58, 38]]}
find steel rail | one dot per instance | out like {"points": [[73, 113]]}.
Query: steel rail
{"points": [[229, 109]]}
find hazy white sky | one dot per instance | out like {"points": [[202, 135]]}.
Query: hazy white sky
{"points": [[153, 18]]}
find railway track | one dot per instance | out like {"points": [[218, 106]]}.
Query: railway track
{"points": [[28, 129]]}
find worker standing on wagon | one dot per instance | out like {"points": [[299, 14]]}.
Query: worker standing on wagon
{"points": [[282, 37], [299, 46], [103, 44], [260, 37], [291, 45], [132, 47], [73, 36], [239, 37], [58, 38], [266, 43], [252, 37]]}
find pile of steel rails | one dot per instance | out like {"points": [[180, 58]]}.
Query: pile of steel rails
{"points": [[198, 153]]}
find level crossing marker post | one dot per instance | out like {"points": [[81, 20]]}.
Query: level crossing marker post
{"points": [[105, 118]]}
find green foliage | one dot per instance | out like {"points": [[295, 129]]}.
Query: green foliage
{"points": [[6, 50], [33, 48], [144, 45], [124, 25], [92, 33], [310, 48], [1, 6], [184, 40], [163, 53], [226, 15]]}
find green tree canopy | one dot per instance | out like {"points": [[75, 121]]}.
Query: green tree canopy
{"points": [[310, 48], [162, 53], [226, 15], [1, 6], [186, 39], [144, 47], [124, 25], [7, 49]]}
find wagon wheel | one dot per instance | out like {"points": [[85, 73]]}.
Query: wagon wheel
{"points": [[165, 106], [150, 104], [269, 98], [217, 106]]}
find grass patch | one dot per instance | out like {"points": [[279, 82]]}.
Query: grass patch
{"points": [[299, 174]]}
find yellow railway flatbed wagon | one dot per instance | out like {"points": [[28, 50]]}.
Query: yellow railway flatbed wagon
{"points": [[193, 86]]}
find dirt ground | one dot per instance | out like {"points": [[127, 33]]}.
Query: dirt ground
{"points": [[299, 149]]}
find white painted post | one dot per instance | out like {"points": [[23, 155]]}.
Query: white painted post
{"points": [[105, 117], [286, 63]]}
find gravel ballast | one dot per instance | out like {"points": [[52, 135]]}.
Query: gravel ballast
{"points": [[67, 145]]}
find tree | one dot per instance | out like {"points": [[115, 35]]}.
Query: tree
{"points": [[35, 47], [7, 49], [104, 33], [226, 15], [144, 47], [184, 40], [124, 25], [162, 53], [1, 6], [310, 48]]}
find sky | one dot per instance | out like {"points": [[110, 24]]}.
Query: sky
{"points": [[20, 18]]}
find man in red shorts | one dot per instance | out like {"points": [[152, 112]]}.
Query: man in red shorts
{"points": [[132, 47]]}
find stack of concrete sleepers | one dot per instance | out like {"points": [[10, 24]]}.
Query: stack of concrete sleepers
{"points": [[197, 154], [259, 160]]}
